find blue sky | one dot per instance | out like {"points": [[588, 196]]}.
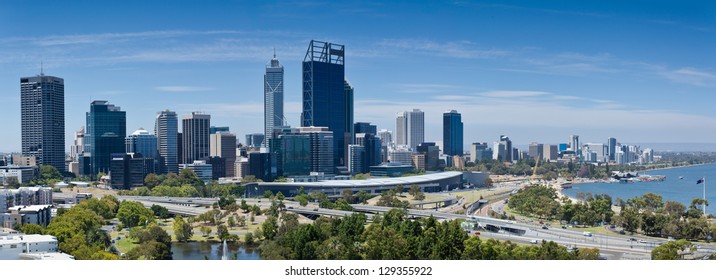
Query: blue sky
{"points": [[640, 71]]}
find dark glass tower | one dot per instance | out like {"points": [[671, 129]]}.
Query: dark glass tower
{"points": [[43, 119], [327, 98], [452, 133], [106, 130]]}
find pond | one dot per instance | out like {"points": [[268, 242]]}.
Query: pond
{"points": [[212, 251]]}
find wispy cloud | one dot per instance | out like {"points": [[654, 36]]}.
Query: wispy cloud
{"points": [[691, 76], [425, 88], [513, 94], [182, 88], [454, 49]]}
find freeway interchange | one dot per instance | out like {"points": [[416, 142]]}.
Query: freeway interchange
{"points": [[611, 246]]}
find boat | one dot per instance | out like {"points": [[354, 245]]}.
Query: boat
{"points": [[566, 186], [681, 177]]}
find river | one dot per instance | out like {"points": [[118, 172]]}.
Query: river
{"points": [[672, 188], [212, 251]]}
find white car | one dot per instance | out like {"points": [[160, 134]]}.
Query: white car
{"points": [[533, 241]]}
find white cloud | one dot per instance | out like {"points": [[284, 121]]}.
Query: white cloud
{"points": [[182, 88], [690, 76], [513, 94], [454, 49]]}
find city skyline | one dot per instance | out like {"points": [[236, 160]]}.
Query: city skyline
{"points": [[518, 72]]}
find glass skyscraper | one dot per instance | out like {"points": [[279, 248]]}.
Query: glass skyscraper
{"points": [[42, 100], [452, 133], [327, 98], [141, 142], [273, 98], [166, 129], [106, 129]]}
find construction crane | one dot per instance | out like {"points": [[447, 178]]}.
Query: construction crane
{"points": [[534, 171]]}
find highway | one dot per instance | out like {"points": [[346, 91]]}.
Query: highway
{"points": [[611, 246]]}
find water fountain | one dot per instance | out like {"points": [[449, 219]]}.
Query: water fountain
{"points": [[224, 253]]}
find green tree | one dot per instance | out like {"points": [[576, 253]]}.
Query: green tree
{"points": [[98, 207], [363, 196], [347, 195], [249, 239], [155, 244], [151, 180], [231, 222], [205, 230], [132, 214], [269, 228], [12, 182], [280, 196], [32, 229], [160, 211], [672, 250], [267, 194], [222, 232], [182, 230]]}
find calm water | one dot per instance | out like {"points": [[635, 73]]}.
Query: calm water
{"points": [[197, 251], [673, 188]]}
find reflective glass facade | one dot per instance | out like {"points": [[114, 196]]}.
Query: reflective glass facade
{"points": [[106, 130], [326, 101]]}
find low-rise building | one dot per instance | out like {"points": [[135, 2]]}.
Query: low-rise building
{"points": [[33, 214], [24, 174], [32, 246]]}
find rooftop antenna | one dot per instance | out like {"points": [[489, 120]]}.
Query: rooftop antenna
{"points": [[274, 52], [42, 67]]}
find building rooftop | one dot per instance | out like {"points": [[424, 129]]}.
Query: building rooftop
{"points": [[406, 181], [29, 238], [46, 256], [29, 208]]}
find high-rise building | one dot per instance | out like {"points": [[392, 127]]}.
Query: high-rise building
{"points": [[372, 152], [551, 152], [574, 143], [536, 150], [400, 155], [479, 151], [356, 159], [364, 127], [349, 135], [195, 137], [129, 170], [223, 144], [415, 128], [106, 129], [78, 147], [166, 130], [431, 154], [321, 141], [452, 133], [273, 98], [386, 137], [505, 149], [260, 166], [141, 142], [215, 129], [401, 129], [327, 102], [291, 151], [42, 102], [611, 148], [255, 140]]}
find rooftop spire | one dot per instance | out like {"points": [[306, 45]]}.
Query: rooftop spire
{"points": [[42, 68]]}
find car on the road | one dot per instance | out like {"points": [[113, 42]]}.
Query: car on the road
{"points": [[564, 226], [586, 233], [622, 232], [533, 241], [643, 241], [632, 239], [315, 209], [477, 233], [545, 227]]}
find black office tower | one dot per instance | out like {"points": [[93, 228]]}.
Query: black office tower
{"points": [[327, 97]]}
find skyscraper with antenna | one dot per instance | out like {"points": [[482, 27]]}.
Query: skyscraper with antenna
{"points": [[273, 98], [42, 101]]}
